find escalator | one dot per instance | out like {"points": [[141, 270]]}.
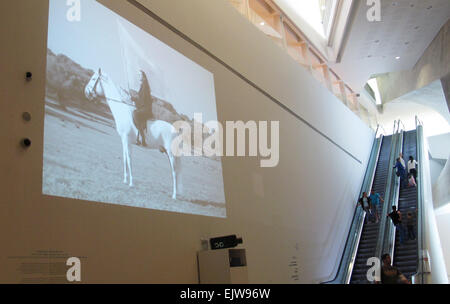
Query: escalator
{"points": [[406, 255], [369, 235]]}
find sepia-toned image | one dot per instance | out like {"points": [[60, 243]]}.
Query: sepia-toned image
{"points": [[113, 92]]}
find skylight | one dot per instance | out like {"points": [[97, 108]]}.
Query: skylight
{"points": [[317, 13]]}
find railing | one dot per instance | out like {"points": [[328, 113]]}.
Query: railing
{"points": [[418, 123], [402, 124], [395, 127], [380, 127], [347, 262], [376, 131], [276, 25]]}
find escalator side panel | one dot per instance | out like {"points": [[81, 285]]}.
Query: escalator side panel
{"points": [[369, 236]]}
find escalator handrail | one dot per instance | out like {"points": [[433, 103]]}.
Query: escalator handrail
{"points": [[381, 127], [418, 278], [358, 220], [361, 224], [418, 122], [389, 243], [395, 131], [401, 122], [387, 196]]}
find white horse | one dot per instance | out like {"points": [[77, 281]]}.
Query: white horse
{"points": [[159, 135]]}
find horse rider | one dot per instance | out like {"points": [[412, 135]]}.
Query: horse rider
{"points": [[143, 111]]}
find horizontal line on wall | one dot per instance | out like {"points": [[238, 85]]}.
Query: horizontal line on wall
{"points": [[262, 91]]}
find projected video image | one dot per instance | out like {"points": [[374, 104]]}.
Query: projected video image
{"points": [[113, 93]]}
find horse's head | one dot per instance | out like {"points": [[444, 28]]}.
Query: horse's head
{"points": [[94, 90]]}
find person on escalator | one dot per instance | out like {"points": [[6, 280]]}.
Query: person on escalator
{"points": [[402, 160], [396, 217], [401, 172], [366, 204], [375, 199], [411, 181], [391, 274], [412, 163], [411, 224]]}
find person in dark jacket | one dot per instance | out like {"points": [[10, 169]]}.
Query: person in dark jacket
{"points": [[401, 172], [396, 217], [144, 109], [391, 274], [410, 224]]}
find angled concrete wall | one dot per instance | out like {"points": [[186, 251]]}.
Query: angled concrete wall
{"points": [[433, 65]]}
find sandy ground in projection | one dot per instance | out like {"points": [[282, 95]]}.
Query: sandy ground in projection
{"points": [[83, 160]]}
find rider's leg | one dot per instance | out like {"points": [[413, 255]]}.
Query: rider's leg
{"points": [[142, 132], [138, 142]]}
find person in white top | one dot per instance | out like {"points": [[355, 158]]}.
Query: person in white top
{"points": [[412, 167], [402, 161]]}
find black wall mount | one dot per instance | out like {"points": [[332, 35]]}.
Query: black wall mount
{"points": [[223, 242], [26, 142], [26, 116], [28, 76]]}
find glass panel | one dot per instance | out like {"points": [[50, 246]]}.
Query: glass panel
{"points": [[320, 14], [317, 13]]}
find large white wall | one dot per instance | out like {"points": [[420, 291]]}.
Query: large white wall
{"points": [[443, 224], [304, 211]]}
